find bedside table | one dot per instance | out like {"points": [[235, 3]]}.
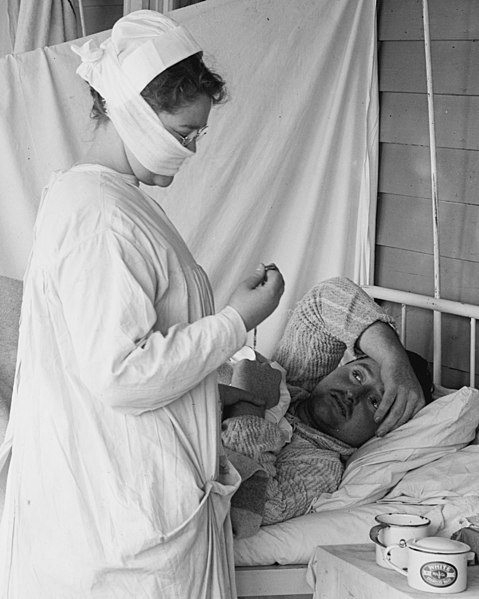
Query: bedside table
{"points": [[351, 571]]}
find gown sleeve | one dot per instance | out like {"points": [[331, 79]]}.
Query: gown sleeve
{"points": [[109, 293]]}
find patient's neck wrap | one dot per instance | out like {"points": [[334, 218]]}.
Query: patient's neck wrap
{"points": [[142, 45]]}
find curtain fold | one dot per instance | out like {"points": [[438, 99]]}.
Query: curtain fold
{"points": [[287, 172], [35, 24]]}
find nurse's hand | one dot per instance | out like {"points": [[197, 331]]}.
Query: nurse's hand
{"points": [[258, 296]]}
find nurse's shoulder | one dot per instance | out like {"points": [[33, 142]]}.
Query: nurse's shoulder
{"points": [[77, 206]]}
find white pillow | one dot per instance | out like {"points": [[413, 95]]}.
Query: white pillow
{"points": [[454, 475], [443, 427]]}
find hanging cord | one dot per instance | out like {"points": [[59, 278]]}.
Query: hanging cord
{"points": [[82, 18], [437, 350], [267, 267]]}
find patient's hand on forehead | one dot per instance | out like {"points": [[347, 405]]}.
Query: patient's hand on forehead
{"points": [[346, 402]]}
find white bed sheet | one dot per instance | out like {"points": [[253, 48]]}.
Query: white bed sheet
{"points": [[446, 490], [294, 541]]}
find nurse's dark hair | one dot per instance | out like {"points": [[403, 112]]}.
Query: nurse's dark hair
{"points": [[174, 88]]}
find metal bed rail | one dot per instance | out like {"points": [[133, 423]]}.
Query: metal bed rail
{"points": [[407, 299]]}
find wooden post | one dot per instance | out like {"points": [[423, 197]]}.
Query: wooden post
{"points": [[437, 349]]}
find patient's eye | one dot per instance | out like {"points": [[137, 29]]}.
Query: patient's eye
{"points": [[375, 401], [358, 375]]}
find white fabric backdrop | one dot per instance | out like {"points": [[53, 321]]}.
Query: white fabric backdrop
{"points": [[287, 172], [26, 25]]}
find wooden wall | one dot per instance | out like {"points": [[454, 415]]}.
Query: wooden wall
{"points": [[99, 15], [404, 250]]}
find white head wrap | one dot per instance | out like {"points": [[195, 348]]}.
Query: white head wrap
{"points": [[142, 45]]}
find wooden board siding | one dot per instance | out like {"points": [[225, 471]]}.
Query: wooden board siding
{"points": [[405, 170], [449, 19], [411, 271], [404, 249], [99, 14], [456, 336], [458, 228], [454, 64], [403, 119]]}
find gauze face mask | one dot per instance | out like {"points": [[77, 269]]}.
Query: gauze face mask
{"points": [[120, 84]]}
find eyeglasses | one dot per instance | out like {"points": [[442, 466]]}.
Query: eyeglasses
{"points": [[191, 137]]}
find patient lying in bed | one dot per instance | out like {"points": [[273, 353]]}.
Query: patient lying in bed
{"points": [[286, 464]]}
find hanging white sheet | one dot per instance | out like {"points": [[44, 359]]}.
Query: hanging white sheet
{"points": [[28, 25], [287, 172]]}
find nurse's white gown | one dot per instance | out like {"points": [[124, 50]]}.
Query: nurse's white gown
{"points": [[115, 490]]}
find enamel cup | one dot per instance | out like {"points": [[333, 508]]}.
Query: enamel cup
{"points": [[435, 564], [391, 530]]}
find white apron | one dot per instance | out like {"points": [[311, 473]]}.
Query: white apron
{"points": [[114, 487]]}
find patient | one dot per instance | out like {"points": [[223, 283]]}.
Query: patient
{"points": [[333, 409]]}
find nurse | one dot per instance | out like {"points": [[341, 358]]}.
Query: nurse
{"points": [[117, 487]]}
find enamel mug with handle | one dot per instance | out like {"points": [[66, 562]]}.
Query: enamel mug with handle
{"points": [[394, 528], [435, 564]]}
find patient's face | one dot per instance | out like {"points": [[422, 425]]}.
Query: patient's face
{"points": [[344, 402]]}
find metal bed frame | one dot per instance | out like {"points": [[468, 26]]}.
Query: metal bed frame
{"points": [[289, 582], [437, 305]]}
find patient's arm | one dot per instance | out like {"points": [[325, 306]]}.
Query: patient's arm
{"points": [[403, 396], [302, 473], [331, 318], [297, 473], [238, 402], [255, 387], [328, 320], [259, 378]]}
